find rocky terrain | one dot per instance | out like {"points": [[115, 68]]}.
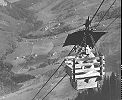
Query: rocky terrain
{"points": [[32, 33]]}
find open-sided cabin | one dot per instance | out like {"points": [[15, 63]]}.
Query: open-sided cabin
{"points": [[85, 72]]}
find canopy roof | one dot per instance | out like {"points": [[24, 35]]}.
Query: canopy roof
{"points": [[78, 38]]}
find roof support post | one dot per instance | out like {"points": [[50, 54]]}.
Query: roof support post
{"points": [[73, 70], [101, 65]]}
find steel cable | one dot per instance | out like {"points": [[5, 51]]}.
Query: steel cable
{"points": [[54, 87], [97, 10], [105, 13], [112, 22], [52, 75], [104, 30]]}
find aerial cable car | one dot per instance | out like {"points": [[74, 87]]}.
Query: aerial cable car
{"points": [[85, 69]]}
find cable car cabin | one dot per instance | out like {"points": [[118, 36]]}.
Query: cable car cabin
{"points": [[85, 71]]}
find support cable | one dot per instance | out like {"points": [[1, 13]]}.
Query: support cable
{"points": [[94, 44], [54, 87], [97, 10], [104, 29], [51, 75], [112, 22], [88, 22], [105, 13]]}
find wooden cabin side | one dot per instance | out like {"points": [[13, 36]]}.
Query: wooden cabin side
{"points": [[83, 74]]}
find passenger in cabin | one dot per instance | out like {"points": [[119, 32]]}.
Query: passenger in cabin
{"points": [[88, 50], [90, 53], [76, 48], [82, 52]]}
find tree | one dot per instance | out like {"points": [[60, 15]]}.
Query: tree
{"points": [[114, 85], [110, 90]]}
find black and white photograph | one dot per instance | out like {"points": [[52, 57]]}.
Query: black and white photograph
{"points": [[60, 50]]}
